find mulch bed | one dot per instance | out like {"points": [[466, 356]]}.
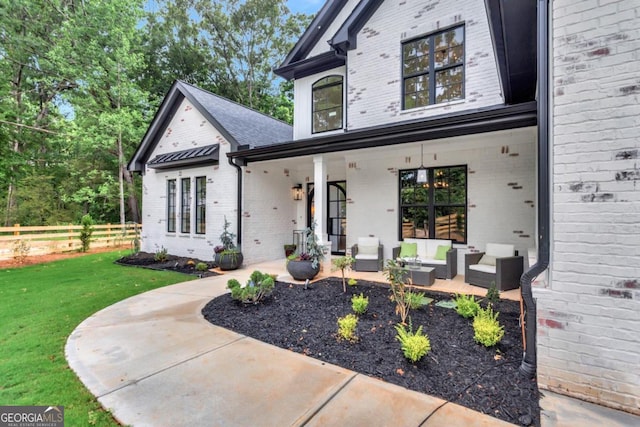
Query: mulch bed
{"points": [[173, 263], [456, 369]]}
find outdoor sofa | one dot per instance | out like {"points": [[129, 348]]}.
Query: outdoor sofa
{"points": [[436, 253]]}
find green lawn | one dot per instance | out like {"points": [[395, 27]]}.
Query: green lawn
{"points": [[40, 306]]}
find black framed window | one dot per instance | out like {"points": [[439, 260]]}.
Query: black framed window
{"points": [[185, 207], [327, 104], [171, 205], [433, 69], [201, 204], [436, 209]]}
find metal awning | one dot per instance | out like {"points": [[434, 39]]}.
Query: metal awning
{"points": [[194, 156]]}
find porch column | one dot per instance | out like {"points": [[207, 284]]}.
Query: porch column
{"points": [[320, 198]]}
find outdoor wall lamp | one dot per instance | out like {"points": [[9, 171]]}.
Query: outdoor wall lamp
{"points": [[296, 192]]}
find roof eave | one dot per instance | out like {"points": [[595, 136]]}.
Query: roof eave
{"points": [[316, 64], [447, 126]]}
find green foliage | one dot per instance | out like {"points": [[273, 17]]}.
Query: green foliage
{"points": [[201, 266], [415, 300], [466, 305], [226, 237], [259, 286], [86, 232], [343, 263], [20, 249], [359, 304], [65, 293], [487, 329], [493, 295], [347, 327], [161, 255], [415, 345], [352, 282], [396, 277]]}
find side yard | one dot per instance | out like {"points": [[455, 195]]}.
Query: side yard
{"points": [[41, 305]]}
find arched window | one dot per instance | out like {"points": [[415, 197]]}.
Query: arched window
{"points": [[327, 104]]}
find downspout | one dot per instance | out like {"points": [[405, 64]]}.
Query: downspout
{"points": [[528, 366], [238, 201]]}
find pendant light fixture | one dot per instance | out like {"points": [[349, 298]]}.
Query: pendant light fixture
{"points": [[422, 172]]}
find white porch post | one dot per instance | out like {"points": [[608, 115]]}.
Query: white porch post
{"points": [[320, 203]]}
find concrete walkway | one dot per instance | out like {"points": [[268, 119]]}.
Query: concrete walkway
{"points": [[154, 361]]}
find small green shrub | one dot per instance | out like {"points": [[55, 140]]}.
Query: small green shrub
{"points": [[201, 266], [487, 329], [347, 327], [493, 296], [343, 263], [352, 282], [466, 306], [359, 303], [21, 250], [259, 286], [86, 232], [415, 345], [414, 299], [161, 255]]}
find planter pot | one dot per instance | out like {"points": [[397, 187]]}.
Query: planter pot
{"points": [[302, 270], [229, 261]]}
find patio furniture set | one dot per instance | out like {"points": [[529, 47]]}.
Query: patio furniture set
{"points": [[425, 260]]}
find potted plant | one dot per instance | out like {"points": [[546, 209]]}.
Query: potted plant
{"points": [[289, 249], [227, 255], [306, 265]]}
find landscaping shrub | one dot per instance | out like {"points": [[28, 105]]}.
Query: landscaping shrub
{"points": [[343, 263], [487, 329], [359, 303], [396, 278], [259, 286], [161, 255], [201, 266], [466, 306], [86, 232], [493, 296], [347, 327], [415, 345], [415, 299]]}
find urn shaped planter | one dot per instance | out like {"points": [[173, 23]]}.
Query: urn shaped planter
{"points": [[229, 260], [302, 270]]}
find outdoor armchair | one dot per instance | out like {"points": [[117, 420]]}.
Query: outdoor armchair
{"points": [[367, 254], [498, 264]]}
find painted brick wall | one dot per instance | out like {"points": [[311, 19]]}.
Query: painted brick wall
{"points": [[589, 316], [188, 129], [374, 73], [501, 189]]}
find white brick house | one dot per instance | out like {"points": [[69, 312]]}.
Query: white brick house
{"points": [[384, 88], [189, 187]]}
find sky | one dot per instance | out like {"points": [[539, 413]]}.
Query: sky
{"points": [[310, 7]]}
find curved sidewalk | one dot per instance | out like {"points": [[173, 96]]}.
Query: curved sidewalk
{"points": [[152, 360]]}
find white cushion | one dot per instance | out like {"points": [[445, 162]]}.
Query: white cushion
{"points": [[367, 250], [368, 241], [366, 256], [433, 261], [487, 260], [483, 268], [499, 250]]}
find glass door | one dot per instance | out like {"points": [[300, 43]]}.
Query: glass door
{"points": [[336, 214]]}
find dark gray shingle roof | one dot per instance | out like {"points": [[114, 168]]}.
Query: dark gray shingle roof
{"points": [[245, 125]]}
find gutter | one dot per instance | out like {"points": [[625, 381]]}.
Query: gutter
{"points": [[238, 202], [529, 359]]}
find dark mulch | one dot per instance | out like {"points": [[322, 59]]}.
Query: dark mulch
{"points": [[456, 369], [173, 263]]}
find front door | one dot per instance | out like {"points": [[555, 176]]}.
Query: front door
{"points": [[336, 214]]}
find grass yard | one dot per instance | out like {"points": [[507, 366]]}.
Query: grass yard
{"points": [[40, 306]]}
